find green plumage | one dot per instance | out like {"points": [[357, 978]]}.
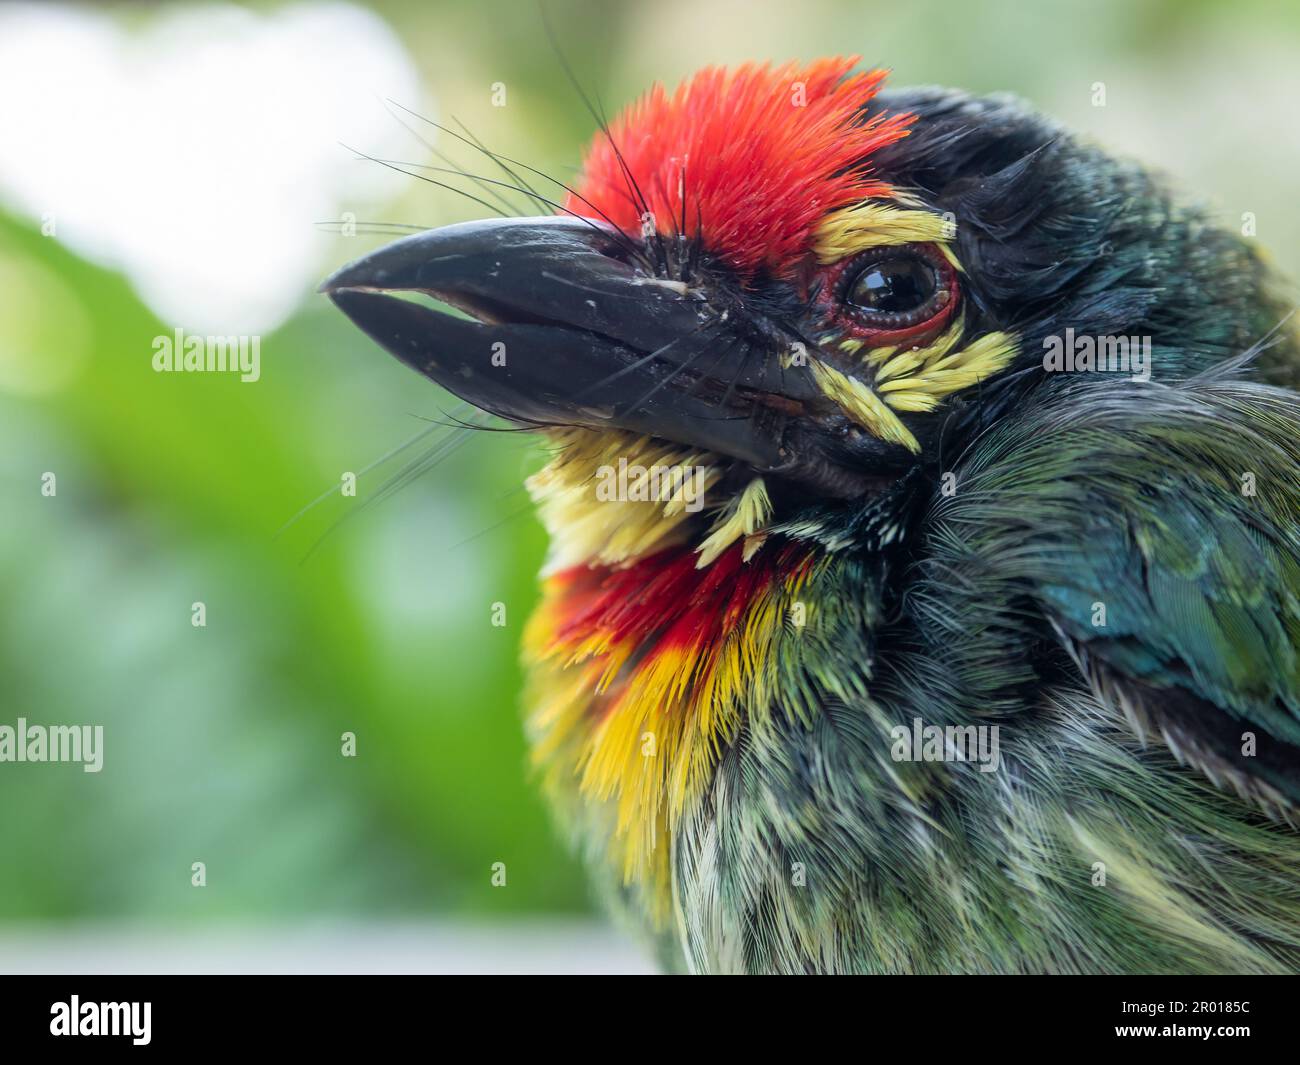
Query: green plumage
{"points": [[1112, 578], [937, 867]]}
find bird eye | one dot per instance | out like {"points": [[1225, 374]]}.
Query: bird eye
{"points": [[895, 288]]}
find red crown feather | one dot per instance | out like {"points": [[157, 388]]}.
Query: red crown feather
{"points": [[748, 160]]}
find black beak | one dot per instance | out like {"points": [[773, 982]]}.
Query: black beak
{"points": [[568, 328]]}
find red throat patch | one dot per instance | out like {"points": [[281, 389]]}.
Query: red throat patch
{"points": [[749, 159], [664, 604]]}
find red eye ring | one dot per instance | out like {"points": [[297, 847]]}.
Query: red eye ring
{"points": [[920, 273]]}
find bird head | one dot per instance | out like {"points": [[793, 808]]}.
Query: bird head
{"points": [[810, 295], [780, 273]]}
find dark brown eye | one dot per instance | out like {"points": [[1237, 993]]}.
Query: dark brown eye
{"points": [[891, 294], [894, 286], [896, 290]]}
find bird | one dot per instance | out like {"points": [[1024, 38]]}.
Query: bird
{"points": [[923, 494]]}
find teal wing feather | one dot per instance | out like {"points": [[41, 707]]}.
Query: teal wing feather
{"points": [[1163, 545]]}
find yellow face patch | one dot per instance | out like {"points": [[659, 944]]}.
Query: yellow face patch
{"points": [[872, 225], [889, 381]]}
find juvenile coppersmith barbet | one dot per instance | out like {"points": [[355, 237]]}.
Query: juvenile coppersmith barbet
{"points": [[835, 307]]}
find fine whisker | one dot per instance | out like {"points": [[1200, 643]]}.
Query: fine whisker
{"points": [[441, 184]]}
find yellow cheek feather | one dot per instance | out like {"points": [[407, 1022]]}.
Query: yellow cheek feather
{"points": [[862, 405], [586, 528], [745, 516]]}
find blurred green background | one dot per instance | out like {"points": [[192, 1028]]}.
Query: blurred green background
{"points": [[189, 158]]}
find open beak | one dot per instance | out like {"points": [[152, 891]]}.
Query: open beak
{"points": [[566, 328]]}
